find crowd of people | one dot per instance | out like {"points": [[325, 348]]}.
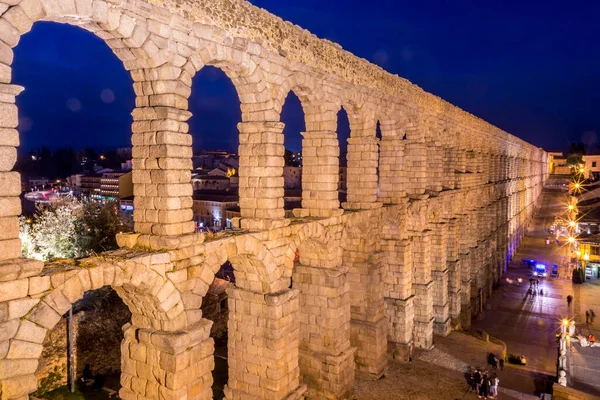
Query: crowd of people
{"points": [[485, 383]]}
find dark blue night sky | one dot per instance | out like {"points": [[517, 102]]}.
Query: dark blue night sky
{"points": [[529, 67]]}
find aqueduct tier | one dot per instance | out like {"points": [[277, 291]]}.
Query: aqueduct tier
{"points": [[434, 211]]}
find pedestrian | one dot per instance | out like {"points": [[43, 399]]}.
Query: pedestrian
{"points": [[491, 358], [587, 317], [569, 300], [502, 364], [494, 388], [485, 387], [477, 381], [592, 316], [537, 283]]}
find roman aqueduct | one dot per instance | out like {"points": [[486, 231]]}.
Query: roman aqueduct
{"points": [[427, 230]]}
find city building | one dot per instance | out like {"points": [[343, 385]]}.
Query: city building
{"points": [[116, 185], [203, 181], [210, 208], [589, 255], [292, 177], [211, 159], [557, 162], [126, 205], [592, 166], [90, 185], [37, 183]]}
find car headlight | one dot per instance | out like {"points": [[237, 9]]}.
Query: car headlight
{"points": [[535, 274], [545, 274]]}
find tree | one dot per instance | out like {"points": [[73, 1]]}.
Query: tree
{"points": [[53, 232], [102, 222], [71, 229], [575, 156], [575, 159]]}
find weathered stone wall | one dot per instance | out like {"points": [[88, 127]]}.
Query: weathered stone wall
{"points": [[381, 273]]}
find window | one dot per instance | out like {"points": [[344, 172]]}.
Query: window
{"points": [[593, 164]]}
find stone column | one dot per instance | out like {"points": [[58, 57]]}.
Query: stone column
{"points": [[435, 168], [440, 275], [422, 288], [10, 181], [454, 272], [399, 303], [465, 271], [363, 161], [161, 154], [167, 365], [460, 168], [20, 339], [320, 175], [263, 332], [392, 179], [448, 165], [368, 323], [477, 276], [261, 154], [326, 358], [415, 167]]}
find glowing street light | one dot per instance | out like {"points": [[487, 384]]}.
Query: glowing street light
{"points": [[571, 207], [565, 322], [571, 239], [572, 224]]}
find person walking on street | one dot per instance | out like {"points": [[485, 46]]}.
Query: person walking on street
{"points": [[485, 386], [477, 381], [587, 317], [494, 388], [592, 316], [501, 364], [569, 300]]}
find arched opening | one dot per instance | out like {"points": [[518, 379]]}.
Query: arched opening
{"points": [[379, 137], [87, 344], [343, 134], [75, 164], [292, 115], [215, 307], [215, 108], [74, 116]]}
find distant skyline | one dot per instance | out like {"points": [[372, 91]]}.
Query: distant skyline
{"points": [[529, 68]]}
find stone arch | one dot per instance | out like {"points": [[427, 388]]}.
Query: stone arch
{"points": [[155, 303], [313, 239], [360, 115], [255, 268], [126, 33], [237, 63]]}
